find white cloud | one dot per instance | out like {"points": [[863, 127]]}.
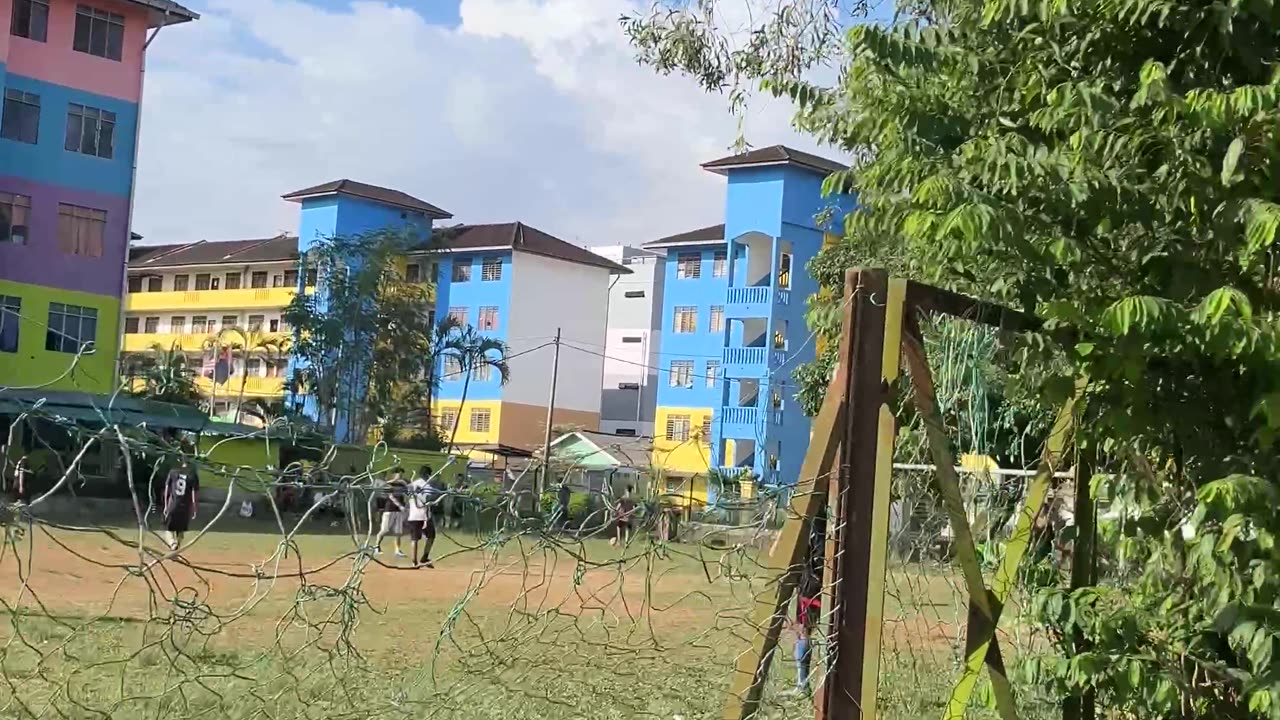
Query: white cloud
{"points": [[529, 110]]}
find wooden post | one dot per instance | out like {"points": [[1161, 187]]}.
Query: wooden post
{"points": [[1084, 566], [862, 514]]}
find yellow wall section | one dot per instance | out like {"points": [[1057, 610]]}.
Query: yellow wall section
{"points": [[465, 435], [34, 366], [690, 456]]}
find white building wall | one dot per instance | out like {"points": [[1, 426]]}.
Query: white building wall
{"points": [[546, 294], [632, 341]]}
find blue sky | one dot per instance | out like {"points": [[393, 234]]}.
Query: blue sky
{"points": [[496, 110]]}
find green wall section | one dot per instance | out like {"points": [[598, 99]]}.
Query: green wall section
{"points": [[32, 366]]}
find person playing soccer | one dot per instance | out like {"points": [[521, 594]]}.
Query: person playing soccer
{"points": [[393, 504], [423, 496], [181, 500], [626, 510]]}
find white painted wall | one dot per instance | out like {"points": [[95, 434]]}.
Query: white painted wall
{"points": [[632, 319], [546, 294]]}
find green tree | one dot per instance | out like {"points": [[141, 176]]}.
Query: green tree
{"points": [[402, 387], [1111, 167], [249, 343], [163, 373], [365, 331], [468, 352]]}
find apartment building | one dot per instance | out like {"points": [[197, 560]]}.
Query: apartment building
{"points": [[185, 295], [71, 72], [733, 328], [629, 394]]}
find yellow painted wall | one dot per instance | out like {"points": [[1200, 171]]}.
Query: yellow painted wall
{"points": [[465, 436], [691, 456], [679, 490], [250, 460], [32, 365]]}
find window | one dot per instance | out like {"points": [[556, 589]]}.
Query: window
{"points": [[202, 281], [784, 271], [258, 279], [256, 322], [480, 420], [154, 284], [199, 324], [717, 318], [131, 326], [706, 430], [311, 278], [688, 266], [291, 278], [451, 369], [151, 325], [633, 294], [81, 230], [30, 19], [686, 319], [458, 314], [779, 340], [632, 339], [713, 372], [491, 269], [412, 273], [488, 318], [90, 131], [253, 366], [682, 373], [482, 372], [21, 118], [135, 284], [720, 264], [628, 386], [70, 327], [15, 210], [99, 32], [178, 324], [446, 419], [228, 321], [181, 282], [10, 313], [462, 271], [232, 281], [678, 427], [277, 280], [775, 399], [625, 432], [273, 326]]}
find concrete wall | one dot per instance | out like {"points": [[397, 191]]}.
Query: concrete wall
{"points": [[633, 341]]}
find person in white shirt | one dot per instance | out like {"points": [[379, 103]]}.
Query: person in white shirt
{"points": [[421, 524]]}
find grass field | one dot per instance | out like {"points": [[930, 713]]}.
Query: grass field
{"points": [[245, 627]]}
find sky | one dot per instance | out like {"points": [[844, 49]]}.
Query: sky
{"points": [[495, 110]]}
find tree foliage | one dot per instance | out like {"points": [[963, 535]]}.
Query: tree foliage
{"points": [[1109, 165], [364, 341], [163, 373]]}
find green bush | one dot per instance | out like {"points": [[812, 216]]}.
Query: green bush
{"points": [[579, 504]]}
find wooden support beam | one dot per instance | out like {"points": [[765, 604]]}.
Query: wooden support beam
{"points": [[1084, 566], [792, 548], [936, 301]]}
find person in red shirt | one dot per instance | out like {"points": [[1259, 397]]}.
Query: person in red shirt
{"points": [[809, 605]]}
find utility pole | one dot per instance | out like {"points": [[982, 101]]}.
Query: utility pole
{"points": [[551, 408]]}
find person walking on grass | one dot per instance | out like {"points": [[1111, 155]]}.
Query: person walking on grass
{"points": [[424, 495], [181, 500], [625, 513], [809, 605], [393, 503]]}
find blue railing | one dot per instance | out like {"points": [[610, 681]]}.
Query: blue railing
{"points": [[748, 295], [744, 356], [739, 415]]}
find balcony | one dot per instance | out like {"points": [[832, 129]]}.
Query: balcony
{"points": [[189, 300], [745, 362], [754, 301], [740, 422], [254, 386], [142, 342]]}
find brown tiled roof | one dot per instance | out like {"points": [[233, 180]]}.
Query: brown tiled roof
{"points": [[205, 252], [370, 192], [522, 238], [709, 234], [774, 155]]}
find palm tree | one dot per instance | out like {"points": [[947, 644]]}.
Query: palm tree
{"points": [[472, 351], [163, 374], [248, 343]]}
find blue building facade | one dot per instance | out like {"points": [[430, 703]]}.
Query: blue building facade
{"points": [[733, 322]]}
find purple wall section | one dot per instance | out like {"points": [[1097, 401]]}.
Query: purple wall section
{"points": [[40, 262]]}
